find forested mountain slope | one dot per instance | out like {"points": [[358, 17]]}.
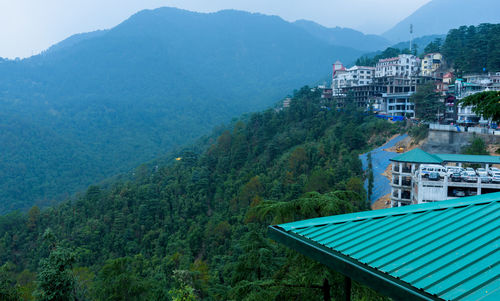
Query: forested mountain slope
{"points": [[197, 226], [101, 103]]}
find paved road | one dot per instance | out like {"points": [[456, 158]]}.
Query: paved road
{"points": [[380, 161]]}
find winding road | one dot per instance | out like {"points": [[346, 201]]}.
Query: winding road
{"points": [[380, 161]]}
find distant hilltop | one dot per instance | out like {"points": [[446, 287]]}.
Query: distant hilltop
{"points": [[439, 16]]}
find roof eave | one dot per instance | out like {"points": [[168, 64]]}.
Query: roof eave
{"points": [[416, 162], [349, 267]]}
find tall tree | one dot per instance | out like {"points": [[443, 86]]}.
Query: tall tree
{"points": [[434, 46], [369, 170], [486, 104], [427, 104], [55, 279], [9, 291], [476, 147]]}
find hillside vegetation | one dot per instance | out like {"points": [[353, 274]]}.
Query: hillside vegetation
{"points": [[101, 103], [196, 227]]}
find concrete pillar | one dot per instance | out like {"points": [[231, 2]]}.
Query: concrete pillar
{"points": [[400, 180], [411, 196], [479, 185], [420, 187], [445, 188], [400, 167]]}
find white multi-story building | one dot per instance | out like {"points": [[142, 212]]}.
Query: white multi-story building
{"points": [[404, 65], [352, 77]]}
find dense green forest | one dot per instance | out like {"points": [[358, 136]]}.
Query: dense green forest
{"points": [[195, 228], [472, 48], [101, 103]]}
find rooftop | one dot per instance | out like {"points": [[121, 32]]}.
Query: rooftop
{"points": [[419, 156], [446, 250]]}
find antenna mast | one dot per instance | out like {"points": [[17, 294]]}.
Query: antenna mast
{"points": [[411, 36]]}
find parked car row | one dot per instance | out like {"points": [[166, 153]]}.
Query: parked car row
{"points": [[460, 174], [462, 192]]}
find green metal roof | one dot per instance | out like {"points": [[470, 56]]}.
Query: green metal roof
{"points": [[445, 250], [469, 158], [417, 156]]}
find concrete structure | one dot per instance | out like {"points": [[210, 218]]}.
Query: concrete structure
{"points": [[452, 138], [365, 95], [410, 186], [448, 78], [352, 77], [431, 64], [398, 104], [404, 65]]}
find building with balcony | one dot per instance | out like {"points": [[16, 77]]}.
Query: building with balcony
{"points": [[431, 65], [352, 77], [409, 185], [404, 65], [398, 104]]}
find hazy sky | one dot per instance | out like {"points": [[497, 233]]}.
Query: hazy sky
{"points": [[30, 26]]}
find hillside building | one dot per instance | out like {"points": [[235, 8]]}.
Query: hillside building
{"points": [[431, 65], [409, 185], [404, 65], [353, 77]]}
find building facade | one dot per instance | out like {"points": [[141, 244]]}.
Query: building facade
{"points": [[352, 77], [404, 65], [410, 185], [431, 64]]}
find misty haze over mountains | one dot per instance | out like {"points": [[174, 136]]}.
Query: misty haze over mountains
{"points": [[100, 103], [439, 16]]}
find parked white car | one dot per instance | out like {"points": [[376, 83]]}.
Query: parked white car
{"points": [[453, 169], [493, 170], [469, 176], [481, 172], [426, 169], [495, 177]]}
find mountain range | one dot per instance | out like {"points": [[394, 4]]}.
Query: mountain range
{"points": [[101, 103]]}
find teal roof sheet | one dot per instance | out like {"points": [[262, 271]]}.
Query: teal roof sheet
{"points": [[445, 250], [485, 159], [417, 156]]}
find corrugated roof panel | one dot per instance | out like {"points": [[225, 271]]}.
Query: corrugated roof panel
{"points": [[469, 158], [447, 249], [417, 156]]}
